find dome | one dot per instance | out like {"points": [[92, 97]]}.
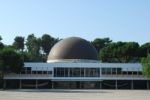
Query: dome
{"points": [[73, 48]]}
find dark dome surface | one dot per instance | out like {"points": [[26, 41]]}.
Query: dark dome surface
{"points": [[73, 48]]}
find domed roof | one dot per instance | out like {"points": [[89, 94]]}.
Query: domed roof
{"points": [[73, 48]]}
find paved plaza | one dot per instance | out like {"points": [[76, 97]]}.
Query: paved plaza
{"points": [[74, 95]]}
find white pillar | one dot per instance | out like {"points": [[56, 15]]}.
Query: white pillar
{"points": [[100, 84], [52, 84], [132, 86], [25, 70], [20, 84], [42, 70], [31, 71], [127, 71], [4, 84], [84, 72], [68, 72], [100, 73], [36, 70], [116, 84], [147, 84], [47, 71], [111, 72], [36, 84], [80, 72], [138, 72], [116, 71]]}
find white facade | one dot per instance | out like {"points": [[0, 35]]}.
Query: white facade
{"points": [[125, 67]]}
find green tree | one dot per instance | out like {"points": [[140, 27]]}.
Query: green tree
{"points": [[19, 43], [120, 52], [144, 50], [33, 47], [1, 44], [11, 60], [1, 65], [146, 65], [100, 43], [47, 43]]}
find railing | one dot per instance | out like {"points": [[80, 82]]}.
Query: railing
{"points": [[19, 76], [26, 75], [140, 76]]}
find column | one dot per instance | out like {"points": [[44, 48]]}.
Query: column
{"points": [[100, 72], [80, 72], [68, 72], [20, 84], [147, 85], [111, 74], [100, 84], [127, 71], [42, 70], [4, 84], [25, 70], [47, 71], [31, 71], [132, 84], [52, 85], [116, 84], [36, 70], [64, 71], [36, 86], [84, 72], [116, 72], [132, 72], [138, 72]]}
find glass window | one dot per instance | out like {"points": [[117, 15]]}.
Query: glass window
{"points": [[75, 72], [82, 72], [114, 71], [33, 72], [92, 72], [103, 71], [49, 72], [66, 70], [119, 71], [60, 72]]}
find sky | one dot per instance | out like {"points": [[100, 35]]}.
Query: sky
{"points": [[120, 20]]}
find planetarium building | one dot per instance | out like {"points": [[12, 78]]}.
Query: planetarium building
{"points": [[73, 64]]}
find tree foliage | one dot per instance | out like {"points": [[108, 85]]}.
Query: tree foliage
{"points": [[37, 49], [10, 60], [119, 52], [144, 50], [47, 43], [19, 43], [33, 47], [100, 43], [146, 65], [1, 44]]}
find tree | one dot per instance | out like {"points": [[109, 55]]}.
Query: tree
{"points": [[33, 47], [99, 43], [0, 38], [19, 43], [1, 44], [146, 65], [1, 65], [47, 43], [144, 49], [120, 52], [11, 60]]}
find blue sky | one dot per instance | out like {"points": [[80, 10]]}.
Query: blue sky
{"points": [[121, 20]]}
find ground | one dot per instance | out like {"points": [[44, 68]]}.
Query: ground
{"points": [[74, 94]]}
